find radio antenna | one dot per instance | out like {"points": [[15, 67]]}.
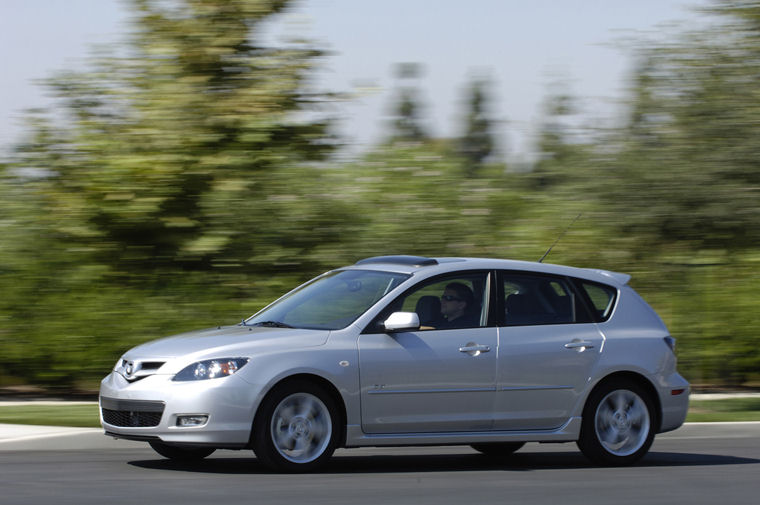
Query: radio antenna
{"points": [[558, 238]]}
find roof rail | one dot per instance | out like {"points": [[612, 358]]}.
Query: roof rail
{"points": [[415, 261]]}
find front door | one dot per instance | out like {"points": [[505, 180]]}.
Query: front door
{"points": [[441, 378]]}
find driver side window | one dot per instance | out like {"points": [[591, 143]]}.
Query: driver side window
{"points": [[450, 302]]}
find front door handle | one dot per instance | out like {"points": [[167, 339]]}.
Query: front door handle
{"points": [[581, 345], [474, 349]]}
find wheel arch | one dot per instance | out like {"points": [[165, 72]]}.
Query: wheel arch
{"points": [[639, 380], [325, 384]]}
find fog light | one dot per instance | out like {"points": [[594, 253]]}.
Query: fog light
{"points": [[187, 421]]}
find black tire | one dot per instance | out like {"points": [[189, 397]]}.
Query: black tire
{"points": [[618, 423], [296, 428], [498, 449], [177, 453]]}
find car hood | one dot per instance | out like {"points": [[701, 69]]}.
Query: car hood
{"points": [[226, 341]]}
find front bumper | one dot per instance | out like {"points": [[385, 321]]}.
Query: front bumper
{"points": [[148, 409]]}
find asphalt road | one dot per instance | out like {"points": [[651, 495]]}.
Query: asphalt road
{"points": [[698, 464]]}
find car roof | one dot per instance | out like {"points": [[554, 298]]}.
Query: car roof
{"points": [[412, 264]]}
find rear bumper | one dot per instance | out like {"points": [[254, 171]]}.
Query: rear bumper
{"points": [[675, 405]]}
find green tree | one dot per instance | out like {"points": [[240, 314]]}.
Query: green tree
{"points": [[687, 167], [176, 175], [559, 153], [407, 124], [477, 144], [166, 148]]}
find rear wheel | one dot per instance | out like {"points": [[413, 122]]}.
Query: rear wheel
{"points": [[498, 449], [177, 453], [618, 424], [297, 427]]}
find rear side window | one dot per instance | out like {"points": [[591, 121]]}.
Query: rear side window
{"points": [[532, 299], [602, 298]]}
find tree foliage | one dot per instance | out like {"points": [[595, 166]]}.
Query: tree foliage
{"points": [[186, 180], [477, 143], [163, 143], [407, 124], [189, 152], [687, 171]]}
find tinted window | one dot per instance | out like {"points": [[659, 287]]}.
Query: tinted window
{"points": [[531, 299], [332, 301], [602, 298], [453, 301]]}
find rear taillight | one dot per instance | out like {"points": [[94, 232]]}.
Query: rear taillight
{"points": [[670, 342]]}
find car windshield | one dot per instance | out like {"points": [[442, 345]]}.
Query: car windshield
{"points": [[329, 302]]}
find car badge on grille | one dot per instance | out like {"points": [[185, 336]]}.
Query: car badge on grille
{"points": [[130, 368]]}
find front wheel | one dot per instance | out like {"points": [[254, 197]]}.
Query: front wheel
{"points": [[177, 453], [617, 424], [297, 427]]}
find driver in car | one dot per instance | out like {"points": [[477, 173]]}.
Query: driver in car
{"points": [[458, 307]]}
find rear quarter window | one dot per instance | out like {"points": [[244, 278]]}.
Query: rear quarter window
{"points": [[602, 298]]}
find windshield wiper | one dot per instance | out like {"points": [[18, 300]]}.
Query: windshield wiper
{"points": [[272, 324]]}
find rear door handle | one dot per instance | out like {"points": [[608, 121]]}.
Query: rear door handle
{"points": [[579, 344]]}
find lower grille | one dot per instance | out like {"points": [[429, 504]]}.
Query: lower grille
{"points": [[129, 418], [131, 413]]}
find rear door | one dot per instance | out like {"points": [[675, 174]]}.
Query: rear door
{"points": [[548, 346]]}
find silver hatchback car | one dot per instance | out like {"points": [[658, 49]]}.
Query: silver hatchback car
{"points": [[406, 350]]}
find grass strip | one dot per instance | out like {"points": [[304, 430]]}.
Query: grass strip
{"points": [[80, 416], [729, 409], [86, 416]]}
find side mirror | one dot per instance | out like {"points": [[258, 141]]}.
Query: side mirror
{"points": [[402, 321]]}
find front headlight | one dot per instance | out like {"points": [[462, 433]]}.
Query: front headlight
{"points": [[210, 369]]}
